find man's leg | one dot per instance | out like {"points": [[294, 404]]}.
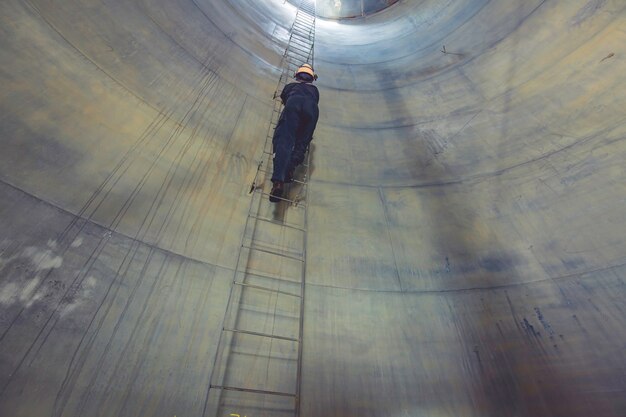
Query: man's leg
{"points": [[304, 135], [283, 141]]}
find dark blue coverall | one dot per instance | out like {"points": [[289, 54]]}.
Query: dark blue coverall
{"points": [[295, 127]]}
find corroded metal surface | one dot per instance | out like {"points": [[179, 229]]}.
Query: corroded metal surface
{"points": [[466, 242]]}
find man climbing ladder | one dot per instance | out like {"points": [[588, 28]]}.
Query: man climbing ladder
{"points": [[295, 127]]}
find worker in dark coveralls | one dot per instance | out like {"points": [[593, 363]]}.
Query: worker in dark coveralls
{"points": [[295, 127]]}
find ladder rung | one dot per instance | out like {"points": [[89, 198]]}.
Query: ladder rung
{"points": [[305, 27], [271, 336], [270, 356], [312, 16], [302, 43], [259, 287], [272, 153], [300, 51], [304, 183], [306, 8], [256, 274], [303, 18], [300, 38], [271, 252], [295, 203], [303, 22], [290, 226], [301, 29], [293, 62], [256, 391], [294, 54]]}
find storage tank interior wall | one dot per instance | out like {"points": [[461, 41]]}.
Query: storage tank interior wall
{"points": [[466, 240]]}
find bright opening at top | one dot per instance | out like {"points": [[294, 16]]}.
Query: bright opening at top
{"points": [[341, 9]]}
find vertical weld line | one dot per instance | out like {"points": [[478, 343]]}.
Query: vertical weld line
{"points": [[393, 252], [133, 248]]}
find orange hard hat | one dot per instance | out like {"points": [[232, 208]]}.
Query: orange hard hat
{"points": [[306, 69]]}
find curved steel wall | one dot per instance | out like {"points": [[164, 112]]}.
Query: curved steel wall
{"points": [[466, 212]]}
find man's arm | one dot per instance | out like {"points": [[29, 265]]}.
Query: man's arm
{"points": [[285, 92]]}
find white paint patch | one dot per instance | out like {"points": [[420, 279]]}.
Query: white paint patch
{"points": [[86, 289], [28, 289], [26, 295], [89, 284], [77, 242], [38, 296], [20, 289], [11, 293], [67, 309], [43, 259], [5, 261], [8, 294]]}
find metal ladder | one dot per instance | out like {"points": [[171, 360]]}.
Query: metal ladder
{"points": [[258, 363]]}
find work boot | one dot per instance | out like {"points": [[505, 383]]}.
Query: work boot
{"points": [[277, 191]]}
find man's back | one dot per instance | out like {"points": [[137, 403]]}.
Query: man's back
{"points": [[300, 89]]}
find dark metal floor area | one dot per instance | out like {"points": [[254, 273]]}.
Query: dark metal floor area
{"points": [[465, 212]]}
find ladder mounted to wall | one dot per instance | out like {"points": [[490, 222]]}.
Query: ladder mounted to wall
{"points": [[258, 364]]}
